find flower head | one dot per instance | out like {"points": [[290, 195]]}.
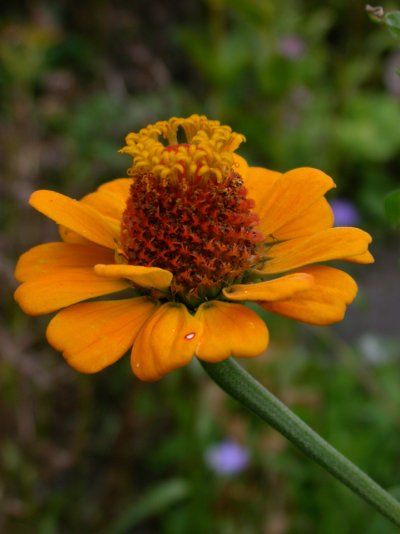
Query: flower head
{"points": [[189, 237], [188, 211], [291, 47], [391, 77], [227, 457], [345, 212]]}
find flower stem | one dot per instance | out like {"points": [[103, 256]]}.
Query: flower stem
{"points": [[243, 387]]}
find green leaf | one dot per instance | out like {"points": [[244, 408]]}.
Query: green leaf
{"points": [[156, 501], [368, 127], [392, 21], [392, 208]]}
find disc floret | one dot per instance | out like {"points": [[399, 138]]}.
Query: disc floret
{"points": [[188, 210]]}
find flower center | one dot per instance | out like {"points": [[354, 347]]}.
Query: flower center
{"points": [[188, 210]]}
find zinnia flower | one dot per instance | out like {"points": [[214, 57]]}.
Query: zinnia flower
{"points": [[184, 242]]}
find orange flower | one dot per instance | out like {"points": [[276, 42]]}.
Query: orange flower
{"points": [[192, 235]]}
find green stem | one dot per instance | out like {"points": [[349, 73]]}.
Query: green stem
{"points": [[244, 388]]}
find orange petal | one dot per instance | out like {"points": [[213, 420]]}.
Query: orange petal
{"points": [[93, 335], [290, 196], [69, 236], [270, 290], [77, 216], [317, 217], [106, 203], [119, 187], [230, 330], [51, 257], [63, 287], [363, 259], [324, 303], [331, 244], [149, 277], [259, 183], [240, 165], [167, 341]]}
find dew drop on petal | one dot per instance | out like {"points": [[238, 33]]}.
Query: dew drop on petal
{"points": [[190, 336]]}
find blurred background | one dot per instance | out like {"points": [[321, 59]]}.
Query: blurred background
{"points": [[308, 84]]}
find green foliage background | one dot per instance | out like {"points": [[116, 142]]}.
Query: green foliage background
{"points": [[308, 83]]}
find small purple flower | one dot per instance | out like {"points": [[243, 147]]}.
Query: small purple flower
{"points": [[291, 47], [391, 77], [227, 457], [345, 213]]}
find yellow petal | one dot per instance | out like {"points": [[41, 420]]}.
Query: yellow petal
{"points": [[77, 216], [149, 277], [63, 287], [290, 196], [106, 203], [230, 330], [93, 335], [270, 290], [324, 303], [331, 244], [317, 217], [167, 341], [51, 257]]}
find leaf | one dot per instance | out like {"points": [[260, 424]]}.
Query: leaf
{"points": [[368, 127], [154, 502], [392, 21], [392, 208]]}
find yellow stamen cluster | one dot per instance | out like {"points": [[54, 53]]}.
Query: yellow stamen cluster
{"points": [[206, 154]]}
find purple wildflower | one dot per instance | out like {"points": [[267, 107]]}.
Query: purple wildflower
{"points": [[291, 47], [391, 78], [227, 457], [345, 213]]}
